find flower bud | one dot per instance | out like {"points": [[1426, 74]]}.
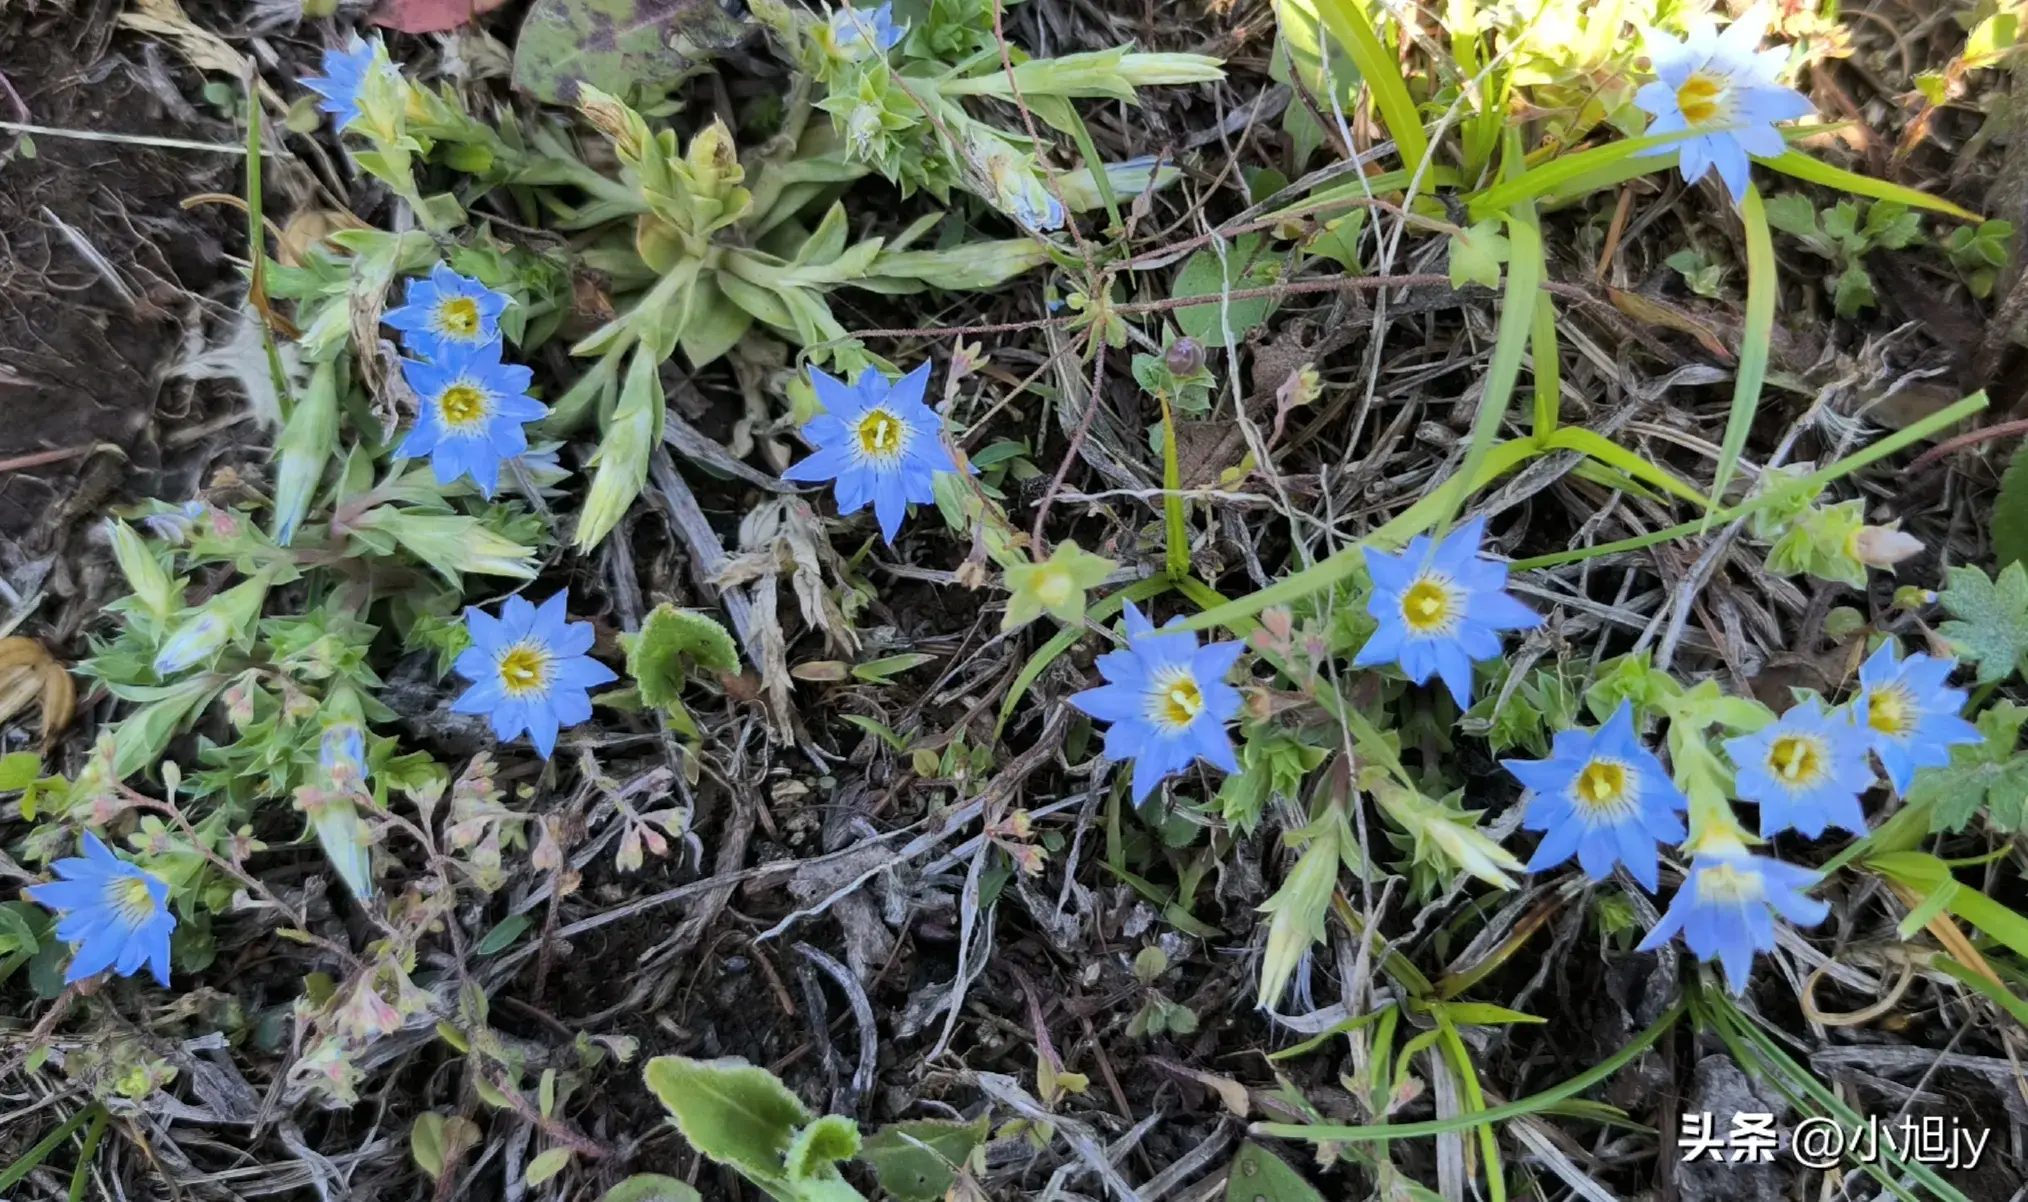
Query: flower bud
{"points": [[143, 572], [217, 621], [1884, 546], [1184, 358], [304, 450], [622, 459]]}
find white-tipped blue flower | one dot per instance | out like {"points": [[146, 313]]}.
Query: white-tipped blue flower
{"points": [[1725, 90], [847, 34], [1910, 713], [1440, 609], [447, 313], [878, 442], [529, 670], [1805, 771], [1167, 702], [344, 72], [1602, 797], [116, 914], [1726, 907], [470, 415], [1019, 189]]}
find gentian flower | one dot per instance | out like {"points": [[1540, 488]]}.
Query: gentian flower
{"points": [[1603, 797], [1725, 89], [472, 410], [1910, 714], [1440, 609], [529, 670], [1725, 909], [1805, 771], [446, 314], [116, 914], [845, 27], [878, 441], [344, 71], [1167, 702], [1019, 189]]}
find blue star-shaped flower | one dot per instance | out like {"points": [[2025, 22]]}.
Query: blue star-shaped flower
{"points": [[878, 441], [1805, 771], [472, 409], [1725, 909], [447, 313], [116, 914], [1440, 610], [1911, 714], [1167, 702], [344, 71], [1603, 797], [1723, 87], [529, 670], [845, 27]]}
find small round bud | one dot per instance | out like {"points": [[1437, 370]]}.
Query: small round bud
{"points": [[1184, 358]]}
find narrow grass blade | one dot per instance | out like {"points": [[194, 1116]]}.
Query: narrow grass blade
{"points": [[1756, 333], [1540, 180], [1597, 446], [1534, 1104], [1382, 73], [1517, 322], [1176, 548], [1941, 420], [1548, 368], [28, 1161], [1803, 167]]}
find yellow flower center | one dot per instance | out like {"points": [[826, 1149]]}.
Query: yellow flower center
{"points": [[461, 407], [1889, 711], [524, 670], [1053, 585], [460, 316], [1430, 606], [1601, 785], [881, 435], [131, 900], [1699, 98], [1796, 760], [1725, 884], [1176, 700]]}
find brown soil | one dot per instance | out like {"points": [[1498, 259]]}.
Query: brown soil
{"points": [[82, 355]]}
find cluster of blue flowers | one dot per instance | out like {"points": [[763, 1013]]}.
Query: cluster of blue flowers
{"points": [[1603, 797], [472, 406]]}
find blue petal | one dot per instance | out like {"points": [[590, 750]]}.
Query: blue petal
{"points": [[1390, 572], [1456, 671], [1110, 703], [582, 672]]}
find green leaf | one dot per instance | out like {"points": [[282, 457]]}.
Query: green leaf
{"points": [[1801, 166], [1476, 254], [917, 1161], [508, 930], [1756, 334], [1990, 618], [651, 1187], [545, 1166], [669, 637], [1258, 1175], [2010, 518], [436, 1139], [22, 927], [732, 1112], [1245, 265], [1852, 291], [820, 1146], [1350, 25], [626, 47], [1792, 213], [880, 671], [19, 770], [1986, 775]]}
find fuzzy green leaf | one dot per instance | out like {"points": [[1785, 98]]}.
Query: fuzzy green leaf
{"points": [[19, 770], [1247, 264], [819, 1147], [1990, 618], [618, 46], [545, 1166], [918, 1161], [651, 1187], [732, 1112], [1258, 1175], [670, 636], [2010, 513], [1985, 775]]}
